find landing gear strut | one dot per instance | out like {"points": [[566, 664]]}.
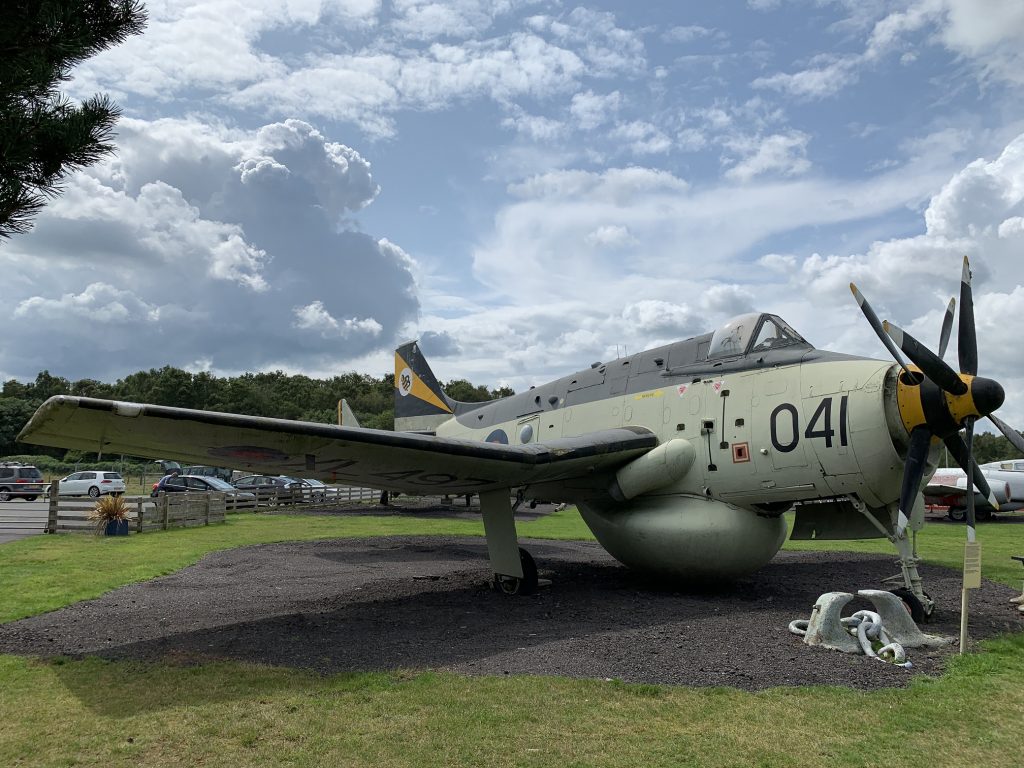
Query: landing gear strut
{"points": [[918, 603], [511, 585]]}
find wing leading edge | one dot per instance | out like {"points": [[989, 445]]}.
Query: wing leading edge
{"points": [[393, 461]]}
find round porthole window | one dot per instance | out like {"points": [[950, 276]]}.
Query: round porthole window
{"points": [[526, 433]]}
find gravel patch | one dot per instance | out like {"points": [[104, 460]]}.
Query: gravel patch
{"points": [[425, 603]]}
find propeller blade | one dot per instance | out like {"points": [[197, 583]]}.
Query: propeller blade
{"points": [[967, 339], [959, 451], [876, 324], [913, 471], [1010, 433], [947, 327], [969, 435], [932, 366]]}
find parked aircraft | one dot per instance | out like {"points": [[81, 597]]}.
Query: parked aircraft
{"points": [[681, 459], [948, 488]]}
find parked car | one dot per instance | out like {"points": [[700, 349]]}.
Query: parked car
{"points": [[195, 484], [316, 490], [92, 483], [202, 470], [313, 490], [261, 482], [21, 481]]}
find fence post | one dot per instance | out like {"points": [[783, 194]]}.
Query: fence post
{"points": [[162, 505], [207, 521], [138, 515], [53, 510]]}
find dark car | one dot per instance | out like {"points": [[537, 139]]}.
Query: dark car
{"points": [[21, 481], [312, 490], [261, 482], [195, 484]]}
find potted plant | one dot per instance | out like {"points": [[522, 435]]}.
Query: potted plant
{"points": [[110, 514]]}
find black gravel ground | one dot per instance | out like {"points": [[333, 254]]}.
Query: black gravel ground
{"points": [[425, 603]]}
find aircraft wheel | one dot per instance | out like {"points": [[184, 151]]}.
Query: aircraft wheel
{"points": [[510, 585], [956, 514], [914, 606], [982, 515]]}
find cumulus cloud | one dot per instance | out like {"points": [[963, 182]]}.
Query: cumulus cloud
{"points": [[314, 317], [221, 245]]}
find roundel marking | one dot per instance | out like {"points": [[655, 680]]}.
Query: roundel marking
{"points": [[497, 436], [405, 382]]}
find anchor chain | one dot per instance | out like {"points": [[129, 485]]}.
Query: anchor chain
{"points": [[866, 626]]}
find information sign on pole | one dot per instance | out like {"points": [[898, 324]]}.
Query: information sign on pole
{"points": [[972, 565]]}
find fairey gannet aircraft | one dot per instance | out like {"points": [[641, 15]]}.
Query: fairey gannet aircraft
{"points": [[681, 459]]}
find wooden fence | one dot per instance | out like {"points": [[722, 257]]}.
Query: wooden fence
{"points": [[183, 510]]}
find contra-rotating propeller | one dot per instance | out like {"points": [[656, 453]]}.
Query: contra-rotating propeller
{"points": [[936, 401]]}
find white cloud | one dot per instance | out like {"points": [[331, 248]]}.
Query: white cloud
{"points": [[779, 153], [314, 317], [687, 34], [814, 83], [204, 243], [642, 137], [593, 109], [99, 303], [989, 32], [536, 127], [610, 236]]}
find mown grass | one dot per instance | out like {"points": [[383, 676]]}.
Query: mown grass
{"points": [[96, 713]]}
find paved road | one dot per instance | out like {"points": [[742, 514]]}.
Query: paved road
{"points": [[20, 518]]}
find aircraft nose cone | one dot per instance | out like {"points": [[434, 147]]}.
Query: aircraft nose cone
{"points": [[987, 394]]}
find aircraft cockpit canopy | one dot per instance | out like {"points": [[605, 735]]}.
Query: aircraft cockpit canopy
{"points": [[752, 332]]}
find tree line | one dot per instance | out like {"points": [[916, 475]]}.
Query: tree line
{"points": [[277, 395]]}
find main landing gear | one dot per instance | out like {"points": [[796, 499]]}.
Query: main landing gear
{"points": [[511, 585], [515, 572]]}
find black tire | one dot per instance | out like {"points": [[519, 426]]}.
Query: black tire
{"points": [[94, 492], [509, 585], [30, 498], [5, 494], [914, 606], [982, 515], [956, 514]]}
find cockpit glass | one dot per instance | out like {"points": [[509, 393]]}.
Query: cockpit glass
{"points": [[774, 333], [731, 338], [752, 332]]}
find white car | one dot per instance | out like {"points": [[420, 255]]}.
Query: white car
{"points": [[91, 483]]}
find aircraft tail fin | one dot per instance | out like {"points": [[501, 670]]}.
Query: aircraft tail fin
{"points": [[346, 418], [420, 403]]}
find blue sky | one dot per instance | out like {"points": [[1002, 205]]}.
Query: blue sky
{"points": [[529, 185]]}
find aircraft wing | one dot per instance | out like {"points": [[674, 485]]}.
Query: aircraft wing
{"points": [[395, 461], [942, 490]]}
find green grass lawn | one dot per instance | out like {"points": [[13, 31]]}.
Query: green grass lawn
{"points": [[96, 713]]}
